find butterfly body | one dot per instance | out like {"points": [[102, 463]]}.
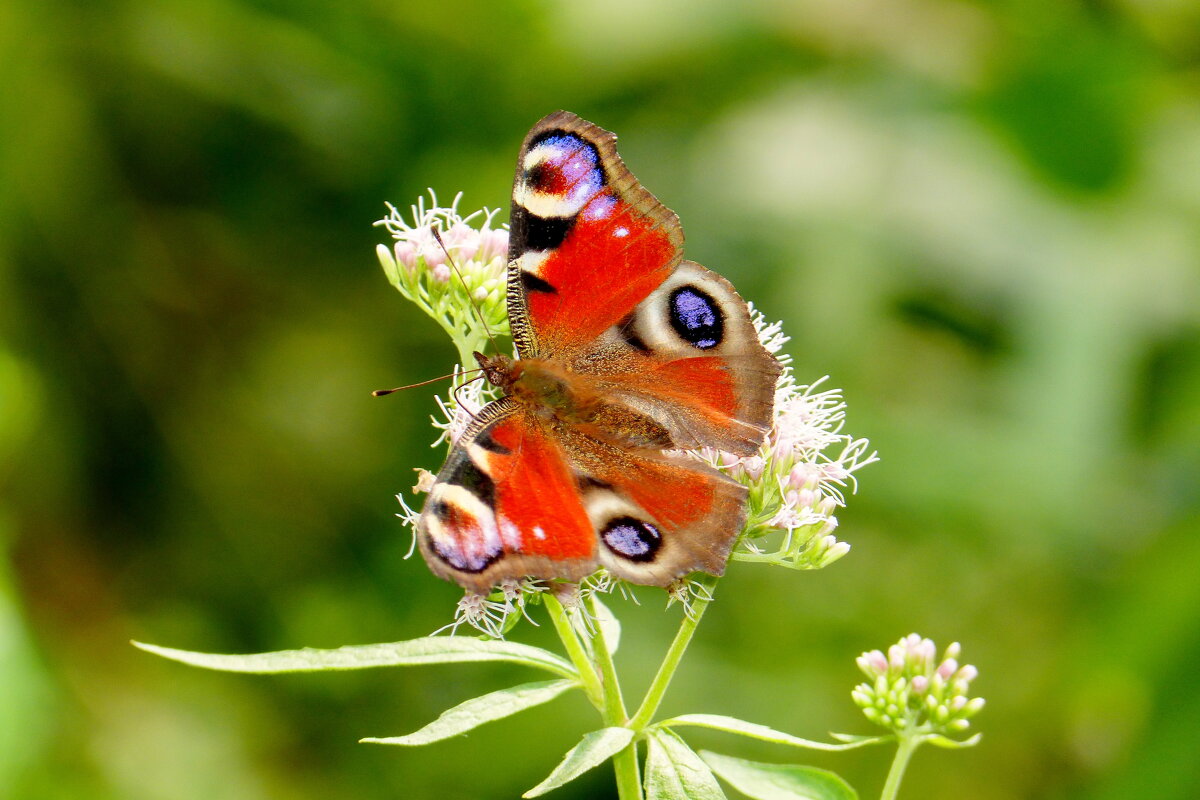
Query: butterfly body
{"points": [[625, 353]]}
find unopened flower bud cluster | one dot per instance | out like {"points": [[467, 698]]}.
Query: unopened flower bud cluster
{"points": [[796, 479], [450, 289], [910, 689]]}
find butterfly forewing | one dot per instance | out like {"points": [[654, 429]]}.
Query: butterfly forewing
{"points": [[587, 242]]}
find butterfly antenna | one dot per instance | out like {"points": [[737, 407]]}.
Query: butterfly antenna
{"points": [[382, 392], [458, 400], [450, 260]]}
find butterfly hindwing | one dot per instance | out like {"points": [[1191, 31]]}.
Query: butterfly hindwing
{"points": [[519, 497], [688, 357], [656, 518]]}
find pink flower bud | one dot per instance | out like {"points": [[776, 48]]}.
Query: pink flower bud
{"points": [[493, 244], [441, 273], [754, 466], [433, 255], [406, 255], [796, 476], [968, 673], [920, 684], [947, 668], [459, 233], [466, 251]]}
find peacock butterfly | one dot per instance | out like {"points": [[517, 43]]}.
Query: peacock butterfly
{"points": [[625, 352]]}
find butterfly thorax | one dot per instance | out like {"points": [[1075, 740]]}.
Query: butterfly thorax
{"points": [[543, 386], [551, 391]]}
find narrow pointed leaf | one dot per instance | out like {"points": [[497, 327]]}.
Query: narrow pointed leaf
{"points": [[779, 781], [593, 750], [952, 744], [675, 772], [428, 650], [479, 710], [755, 731], [609, 626], [857, 738]]}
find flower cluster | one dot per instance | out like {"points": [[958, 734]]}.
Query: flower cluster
{"points": [[910, 691], [459, 280], [798, 478]]}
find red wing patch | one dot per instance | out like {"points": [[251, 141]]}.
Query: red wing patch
{"points": [[605, 266], [703, 382], [537, 500], [694, 398]]}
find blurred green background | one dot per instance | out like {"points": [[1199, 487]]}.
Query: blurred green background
{"points": [[981, 219]]}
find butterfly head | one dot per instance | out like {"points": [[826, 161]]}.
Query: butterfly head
{"points": [[535, 383], [500, 370]]}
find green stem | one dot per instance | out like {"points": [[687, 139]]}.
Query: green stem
{"points": [[666, 670], [908, 744], [625, 763], [629, 776], [614, 705], [579, 657], [466, 356]]}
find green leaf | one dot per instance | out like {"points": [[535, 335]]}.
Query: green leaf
{"points": [[779, 781], [610, 627], [675, 772], [428, 650], [593, 750], [756, 731], [479, 710], [859, 739], [938, 740]]}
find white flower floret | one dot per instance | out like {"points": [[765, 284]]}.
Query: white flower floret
{"points": [[800, 475]]}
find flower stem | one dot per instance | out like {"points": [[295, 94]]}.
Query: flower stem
{"points": [[587, 672], [625, 763], [908, 744], [666, 670]]}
